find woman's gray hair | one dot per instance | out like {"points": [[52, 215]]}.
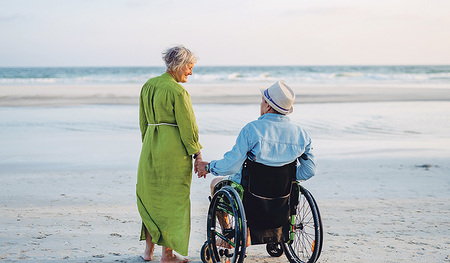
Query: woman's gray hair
{"points": [[177, 57]]}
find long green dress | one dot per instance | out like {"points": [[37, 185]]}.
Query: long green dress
{"points": [[165, 165]]}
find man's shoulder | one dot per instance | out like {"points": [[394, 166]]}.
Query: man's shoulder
{"points": [[261, 121], [252, 124], [262, 124]]}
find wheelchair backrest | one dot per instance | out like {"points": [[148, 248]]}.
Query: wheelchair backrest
{"points": [[268, 181], [267, 191]]}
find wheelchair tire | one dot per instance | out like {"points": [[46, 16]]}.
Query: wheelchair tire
{"points": [[274, 249], [226, 243], [321, 226], [307, 243], [204, 253]]}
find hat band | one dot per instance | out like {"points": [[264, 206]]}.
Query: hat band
{"points": [[266, 93]]}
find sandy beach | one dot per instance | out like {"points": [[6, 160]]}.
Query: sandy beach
{"points": [[68, 158]]}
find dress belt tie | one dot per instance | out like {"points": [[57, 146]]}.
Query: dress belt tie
{"points": [[162, 123]]}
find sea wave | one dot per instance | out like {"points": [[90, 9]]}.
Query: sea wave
{"points": [[216, 74]]}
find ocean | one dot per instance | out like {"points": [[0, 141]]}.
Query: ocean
{"points": [[409, 75], [99, 136]]}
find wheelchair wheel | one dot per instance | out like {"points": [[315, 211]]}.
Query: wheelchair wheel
{"points": [[204, 253], [226, 227], [274, 249], [307, 230], [321, 227]]}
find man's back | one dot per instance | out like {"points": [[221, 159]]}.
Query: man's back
{"points": [[271, 140], [274, 140]]}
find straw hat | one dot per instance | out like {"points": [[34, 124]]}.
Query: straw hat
{"points": [[280, 97]]}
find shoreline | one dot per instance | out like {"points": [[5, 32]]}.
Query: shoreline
{"points": [[17, 96]]}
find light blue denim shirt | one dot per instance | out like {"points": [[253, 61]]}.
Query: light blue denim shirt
{"points": [[272, 140]]}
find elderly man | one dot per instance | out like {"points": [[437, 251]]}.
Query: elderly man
{"points": [[272, 140]]}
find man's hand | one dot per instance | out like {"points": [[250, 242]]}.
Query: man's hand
{"points": [[200, 168]]}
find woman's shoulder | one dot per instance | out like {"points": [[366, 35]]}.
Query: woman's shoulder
{"points": [[166, 83]]}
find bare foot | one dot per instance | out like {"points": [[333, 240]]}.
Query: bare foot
{"points": [[148, 252], [169, 257], [149, 247], [173, 259], [146, 256]]}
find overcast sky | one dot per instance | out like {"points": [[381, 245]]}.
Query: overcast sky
{"points": [[232, 32]]}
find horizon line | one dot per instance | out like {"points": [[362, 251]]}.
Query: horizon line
{"points": [[212, 65]]}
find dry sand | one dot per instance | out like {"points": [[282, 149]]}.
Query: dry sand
{"points": [[378, 201]]}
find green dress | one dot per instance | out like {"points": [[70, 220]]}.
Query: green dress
{"points": [[165, 165]]}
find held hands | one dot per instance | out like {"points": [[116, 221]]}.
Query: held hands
{"points": [[199, 167], [197, 159]]}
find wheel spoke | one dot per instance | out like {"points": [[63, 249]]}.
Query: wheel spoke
{"points": [[306, 231], [225, 222]]}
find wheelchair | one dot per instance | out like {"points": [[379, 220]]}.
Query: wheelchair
{"points": [[275, 209]]}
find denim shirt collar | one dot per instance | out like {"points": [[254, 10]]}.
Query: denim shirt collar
{"points": [[274, 117]]}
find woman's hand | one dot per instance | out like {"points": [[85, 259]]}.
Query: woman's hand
{"points": [[198, 157], [200, 168]]}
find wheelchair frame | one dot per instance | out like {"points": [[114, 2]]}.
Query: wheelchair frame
{"points": [[229, 243]]}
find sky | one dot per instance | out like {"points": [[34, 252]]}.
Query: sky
{"points": [[52, 33]]}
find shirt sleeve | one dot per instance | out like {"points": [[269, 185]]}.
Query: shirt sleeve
{"points": [[233, 160], [143, 124], [185, 118], [306, 168]]}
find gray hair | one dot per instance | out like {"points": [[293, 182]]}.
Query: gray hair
{"points": [[177, 57]]}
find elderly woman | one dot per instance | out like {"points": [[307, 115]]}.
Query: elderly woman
{"points": [[169, 142]]}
